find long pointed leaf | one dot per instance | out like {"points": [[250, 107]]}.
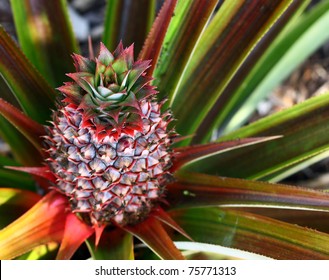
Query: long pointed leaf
{"points": [[21, 148], [185, 29], [46, 37], [29, 128], [42, 172], [224, 45], [302, 39], [31, 90], [190, 154], [75, 233], [118, 24], [240, 87], [253, 233], [153, 44], [17, 180], [193, 189], [305, 130], [305, 218], [152, 233], [43, 223]]}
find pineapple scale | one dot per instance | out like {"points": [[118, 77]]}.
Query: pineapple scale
{"points": [[110, 180]]}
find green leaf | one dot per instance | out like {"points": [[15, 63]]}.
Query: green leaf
{"points": [[118, 22], [29, 128], [114, 245], [240, 87], [193, 189], [17, 180], [46, 37], [305, 130], [154, 41], [253, 233], [43, 252], [222, 48], [315, 220], [190, 154], [185, 29], [33, 93], [21, 148], [303, 37]]}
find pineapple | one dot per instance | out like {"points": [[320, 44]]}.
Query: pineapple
{"points": [[108, 142]]}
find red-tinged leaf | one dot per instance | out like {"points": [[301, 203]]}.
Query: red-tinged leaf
{"points": [[44, 32], [231, 35], [42, 172], [153, 44], [75, 233], [315, 220], [185, 29], [16, 180], [115, 244], [14, 202], [164, 217], [21, 148], [18, 197], [244, 81], [28, 127], [98, 233], [252, 233], [189, 154], [193, 189], [43, 223], [119, 25], [305, 127], [152, 233], [33, 93]]}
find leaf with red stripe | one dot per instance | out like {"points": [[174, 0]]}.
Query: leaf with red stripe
{"points": [[42, 172], [117, 28], [28, 127], [185, 29], [45, 34], [253, 233], [154, 42], [189, 154], [34, 94], [193, 189]]}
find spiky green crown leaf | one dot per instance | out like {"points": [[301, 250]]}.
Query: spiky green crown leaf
{"points": [[109, 89]]}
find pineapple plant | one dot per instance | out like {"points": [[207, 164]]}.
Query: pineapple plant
{"points": [[144, 146]]}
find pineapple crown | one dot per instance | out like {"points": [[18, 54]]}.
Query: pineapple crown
{"points": [[109, 90]]}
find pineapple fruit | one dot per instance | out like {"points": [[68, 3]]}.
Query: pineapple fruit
{"points": [[108, 142]]}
